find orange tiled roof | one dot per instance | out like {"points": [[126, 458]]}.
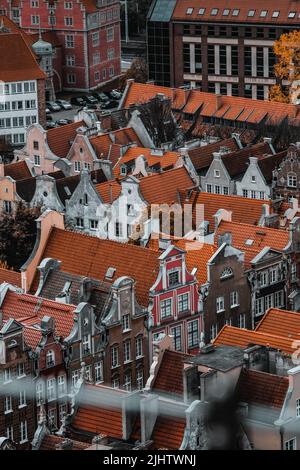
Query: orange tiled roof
{"points": [[197, 256], [30, 310], [51, 441], [102, 143], [12, 277], [96, 416], [17, 60], [91, 257], [233, 336], [17, 171], [168, 433], [109, 191], [261, 388], [203, 156], [242, 210], [261, 236], [280, 323], [167, 160], [60, 138], [231, 107], [180, 12], [169, 378], [32, 336]]}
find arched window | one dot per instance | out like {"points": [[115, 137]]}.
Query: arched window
{"points": [[292, 180], [85, 199], [50, 358], [226, 273]]}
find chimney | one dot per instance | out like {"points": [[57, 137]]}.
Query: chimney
{"points": [[219, 99], [224, 215]]}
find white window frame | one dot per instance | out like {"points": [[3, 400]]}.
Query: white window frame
{"points": [[127, 351], [220, 304], [23, 432]]}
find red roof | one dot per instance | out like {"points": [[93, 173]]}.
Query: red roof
{"points": [[91, 257], [168, 433], [197, 256], [17, 171], [167, 160], [169, 378], [29, 310], [102, 143], [32, 336], [261, 388], [12, 277], [280, 323], [18, 62], [61, 138], [203, 156]]}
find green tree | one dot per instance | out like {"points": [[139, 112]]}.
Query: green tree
{"points": [[17, 235]]}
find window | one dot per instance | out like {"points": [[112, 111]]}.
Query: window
{"points": [[235, 12], [114, 356], [118, 229], [291, 444], [62, 410], [37, 160], [294, 272], [8, 404], [68, 21], [220, 304], [269, 301], [96, 58], [209, 188], [189, 11], [193, 334], [68, 5], [213, 331], [292, 180], [22, 398], [39, 392], [217, 189], [7, 375], [95, 39], [77, 166], [234, 299], [62, 385], [251, 13], [23, 431], [70, 60], [201, 11], [34, 4], [139, 347], [111, 54], [226, 12], [177, 337], [50, 359], [140, 379], [127, 381], [99, 372], [165, 308], [71, 78], [214, 12], [125, 322], [279, 299], [127, 351], [173, 278], [52, 419], [86, 344], [273, 275], [35, 19], [275, 14], [292, 14], [259, 306], [69, 41], [115, 383], [217, 173], [93, 224], [21, 369], [51, 393], [75, 377], [225, 190], [10, 432], [298, 408], [7, 207], [263, 278], [228, 321], [242, 320], [183, 303], [227, 273], [35, 145], [110, 34], [79, 222], [111, 70]]}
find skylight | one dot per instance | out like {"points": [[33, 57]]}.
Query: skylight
{"points": [[110, 273], [214, 11], [226, 12], [275, 14], [201, 11], [292, 14], [235, 12], [189, 11], [263, 13], [251, 12]]}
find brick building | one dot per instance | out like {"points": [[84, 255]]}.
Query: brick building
{"points": [[88, 32], [221, 48]]}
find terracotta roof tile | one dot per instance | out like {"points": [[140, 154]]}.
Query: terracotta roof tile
{"points": [[232, 336], [17, 60], [203, 156], [169, 379], [280, 323], [12, 277], [166, 161], [17, 171], [32, 336], [237, 162], [261, 388], [102, 143], [168, 433], [60, 138], [197, 256], [91, 257], [109, 191]]}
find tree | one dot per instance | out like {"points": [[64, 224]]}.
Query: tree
{"points": [[17, 235], [138, 71], [287, 68]]}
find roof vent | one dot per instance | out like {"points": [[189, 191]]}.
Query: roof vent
{"points": [[110, 273], [249, 242], [207, 349]]}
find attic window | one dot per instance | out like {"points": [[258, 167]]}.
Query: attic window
{"points": [[249, 242], [214, 11], [275, 14], [226, 273], [189, 11], [263, 13], [251, 12], [235, 12], [292, 14], [110, 273], [226, 12], [201, 11]]}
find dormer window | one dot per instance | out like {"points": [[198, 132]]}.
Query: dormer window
{"points": [[50, 358], [123, 170], [173, 278]]}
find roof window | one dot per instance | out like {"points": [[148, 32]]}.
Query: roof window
{"points": [[201, 11], [214, 11], [251, 12], [110, 273], [226, 12], [275, 14], [189, 11], [292, 14], [235, 12], [263, 13]]}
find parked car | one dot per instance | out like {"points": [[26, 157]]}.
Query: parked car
{"points": [[48, 111], [53, 106], [51, 124], [78, 101], [90, 99], [92, 106], [64, 104], [110, 104], [100, 97], [63, 122], [49, 117], [117, 95]]}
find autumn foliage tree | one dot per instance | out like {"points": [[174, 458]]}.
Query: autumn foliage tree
{"points": [[137, 71], [287, 68], [17, 236]]}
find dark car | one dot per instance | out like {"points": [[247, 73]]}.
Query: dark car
{"points": [[63, 122], [101, 97], [49, 117], [90, 99], [51, 125], [78, 101], [110, 104], [92, 106], [53, 106]]}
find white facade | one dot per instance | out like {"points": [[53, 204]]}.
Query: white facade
{"points": [[18, 109]]}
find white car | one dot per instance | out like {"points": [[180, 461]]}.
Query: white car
{"points": [[64, 104]]}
